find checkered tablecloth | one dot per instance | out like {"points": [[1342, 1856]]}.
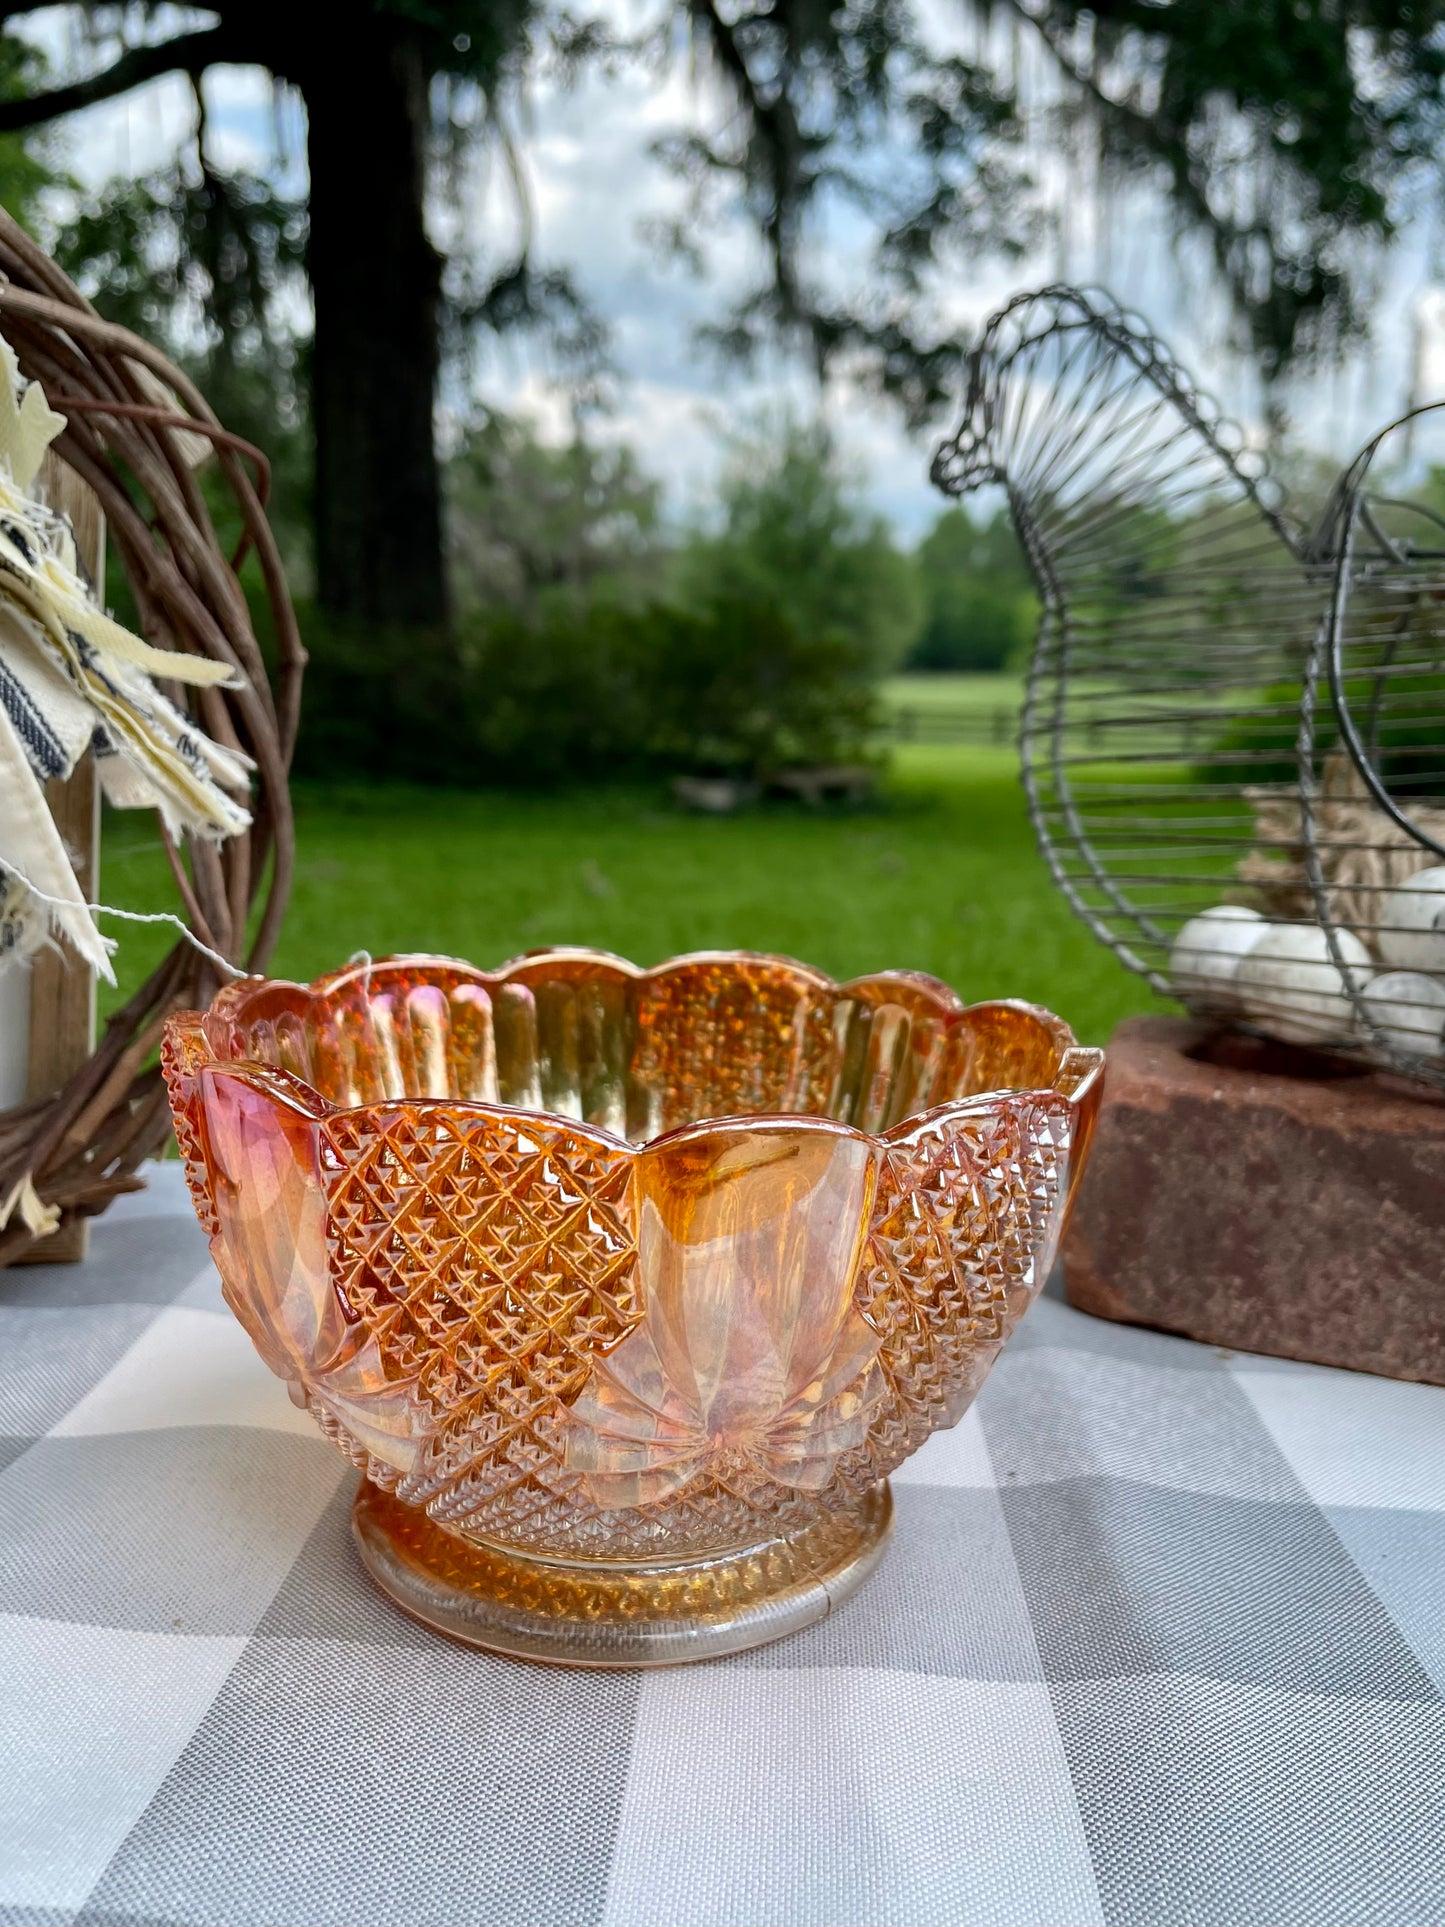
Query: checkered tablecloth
{"points": [[1161, 1639]]}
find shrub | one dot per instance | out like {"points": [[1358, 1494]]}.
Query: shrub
{"points": [[795, 540], [598, 692], [564, 696], [739, 689], [1410, 750], [580, 693], [380, 702]]}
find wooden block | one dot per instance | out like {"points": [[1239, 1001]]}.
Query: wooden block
{"points": [[1264, 1199]]}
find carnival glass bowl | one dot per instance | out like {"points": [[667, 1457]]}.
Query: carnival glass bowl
{"points": [[626, 1289]]}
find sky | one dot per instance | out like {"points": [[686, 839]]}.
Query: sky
{"points": [[593, 188]]}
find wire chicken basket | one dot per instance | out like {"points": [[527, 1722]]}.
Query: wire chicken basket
{"points": [[1233, 734]]}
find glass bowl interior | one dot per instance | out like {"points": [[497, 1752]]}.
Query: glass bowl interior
{"points": [[637, 1053]]}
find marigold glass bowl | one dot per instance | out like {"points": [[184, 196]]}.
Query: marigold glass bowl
{"points": [[626, 1289]]}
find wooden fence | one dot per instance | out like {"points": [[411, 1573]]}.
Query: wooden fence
{"points": [[1131, 738], [935, 723]]}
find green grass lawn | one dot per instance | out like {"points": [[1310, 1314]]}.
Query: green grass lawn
{"points": [[940, 690], [941, 874]]}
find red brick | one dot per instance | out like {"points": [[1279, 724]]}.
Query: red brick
{"points": [[1264, 1199]]}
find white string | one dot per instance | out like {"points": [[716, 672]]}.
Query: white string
{"points": [[129, 916]]}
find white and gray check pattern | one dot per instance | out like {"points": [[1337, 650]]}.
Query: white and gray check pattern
{"points": [[1161, 1639]]}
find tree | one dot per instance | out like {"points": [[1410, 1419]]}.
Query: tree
{"points": [[27, 169], [794, 540], [151, 252], [528, 522], [587, 647], [1281, 130], [375, 277], [980, 609]]}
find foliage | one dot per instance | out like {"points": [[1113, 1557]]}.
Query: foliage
{"points": [[1409, 753], [578, 691], [209, 266], [1393, 686], [29, 163], [780, 622], [795, 539], [855, 111], [195, 251], [980, 610], [742, 687], [382, 701], [1284, 132], [564, 695], [528, 521]]}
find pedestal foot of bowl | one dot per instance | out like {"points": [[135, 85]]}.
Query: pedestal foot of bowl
{"points": [[617, 1615]]}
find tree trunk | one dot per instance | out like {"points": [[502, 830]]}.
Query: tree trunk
{"points": [[375, 281]]}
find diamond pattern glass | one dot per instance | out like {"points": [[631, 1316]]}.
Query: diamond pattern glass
{"points": [[626, 1289]]}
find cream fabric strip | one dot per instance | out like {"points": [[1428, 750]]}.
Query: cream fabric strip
{"points": [[71, 678], [34, 851]]}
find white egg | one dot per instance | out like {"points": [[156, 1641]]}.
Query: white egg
{"points": [[1289, 984], [1409, 1010], [1412, 923], [1204, 963]]}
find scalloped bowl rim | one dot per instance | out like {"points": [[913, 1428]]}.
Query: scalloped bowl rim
{"points": [[1082, 1064]]}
